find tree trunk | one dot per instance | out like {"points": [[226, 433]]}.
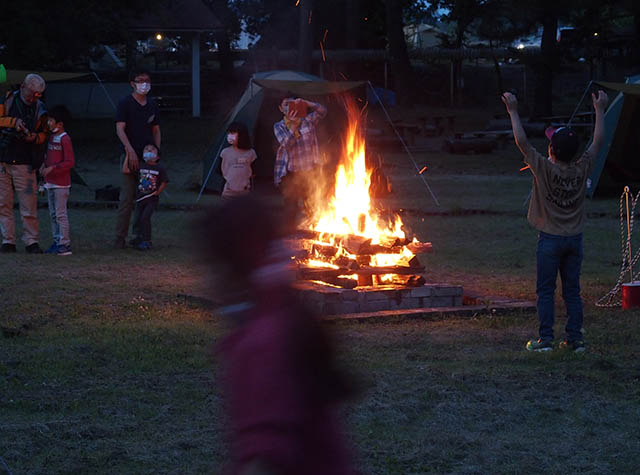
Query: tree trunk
{"points": [[401, 66], [636, 23], [496, 66], [130, 46], [305, 40], [224, 55], [544, 72], [458, 78], [353, 24]]}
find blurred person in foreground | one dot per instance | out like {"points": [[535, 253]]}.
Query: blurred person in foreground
{"points": [[556, 210], [281, 379]]}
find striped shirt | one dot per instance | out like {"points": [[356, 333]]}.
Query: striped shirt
{"points": [[300, 153]]}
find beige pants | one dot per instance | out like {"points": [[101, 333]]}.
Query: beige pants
{"points": [[23, 180], [128, 186]]}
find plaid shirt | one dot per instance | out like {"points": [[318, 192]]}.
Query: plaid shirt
{"points": [[301, 153]]}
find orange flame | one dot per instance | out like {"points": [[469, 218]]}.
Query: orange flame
{"points": [[349, 211]]}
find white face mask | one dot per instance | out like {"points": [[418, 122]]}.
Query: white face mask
{"points": [[232, 138], [52, 127], [143, 87], [148, 156]]}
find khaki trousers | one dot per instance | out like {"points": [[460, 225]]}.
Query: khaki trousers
{"points": [[23, 180], [128, 187]]}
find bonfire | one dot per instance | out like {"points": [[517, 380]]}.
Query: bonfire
{"points": [[346, 242]]}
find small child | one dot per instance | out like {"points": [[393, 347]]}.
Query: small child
{"points": [[152, 180], [236, 161], [56, 171]]}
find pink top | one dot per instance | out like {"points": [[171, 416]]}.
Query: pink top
{"points": [[236, 169]]}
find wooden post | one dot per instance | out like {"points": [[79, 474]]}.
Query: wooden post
{"points": [[452, 86], [305, 39], [195, 74]]}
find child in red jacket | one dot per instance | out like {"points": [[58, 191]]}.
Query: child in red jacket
{"points": [[56, 171]]}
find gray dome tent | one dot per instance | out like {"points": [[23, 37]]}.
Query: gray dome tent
{"points": [[617, 163]]}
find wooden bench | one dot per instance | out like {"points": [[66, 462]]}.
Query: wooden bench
{"points": [[438, 126], [469, 144]]}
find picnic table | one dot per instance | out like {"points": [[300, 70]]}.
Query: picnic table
{"points": [[408, 131], [580, 117], [438, 126], [501, 136], [427, 126]]}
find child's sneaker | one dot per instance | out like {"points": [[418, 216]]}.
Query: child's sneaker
{"points": [[577, 346], [64, 250], [53, 249], [144, 246], [539, 345]]}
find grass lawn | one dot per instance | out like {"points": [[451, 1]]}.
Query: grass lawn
{"points": [[104, 369]]}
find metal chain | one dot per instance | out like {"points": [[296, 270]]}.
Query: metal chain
{"points": [[613, 298]]}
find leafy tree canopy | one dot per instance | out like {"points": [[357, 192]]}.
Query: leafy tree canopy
{"points": [[40, 35]]}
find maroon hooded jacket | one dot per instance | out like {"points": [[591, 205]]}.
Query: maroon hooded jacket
{"points": [[282, 391]]}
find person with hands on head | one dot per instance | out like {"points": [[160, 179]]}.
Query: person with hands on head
{"points": [[136, 126], [23, 133], [298, 156], [556, 210]]}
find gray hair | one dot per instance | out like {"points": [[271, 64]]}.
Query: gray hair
{"points": [[35, 82]]}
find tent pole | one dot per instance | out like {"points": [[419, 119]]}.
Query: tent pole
{"points": [[206, 180], [104, 89], [424, 180], [86, 109], [579, 103]]}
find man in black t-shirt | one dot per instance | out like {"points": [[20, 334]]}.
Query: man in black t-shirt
{"points": [[136, 126]]}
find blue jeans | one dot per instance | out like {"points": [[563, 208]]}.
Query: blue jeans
{"points": [[563, 254], [58, 198]]}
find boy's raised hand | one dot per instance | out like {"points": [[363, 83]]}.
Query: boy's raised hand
{"points": [[510, 102], [600, 101]]}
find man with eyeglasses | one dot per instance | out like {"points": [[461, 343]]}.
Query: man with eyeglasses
{"points": [[23, 133], [136, 126]]}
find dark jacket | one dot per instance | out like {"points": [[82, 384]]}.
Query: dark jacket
{"points": [[13, 148]]}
